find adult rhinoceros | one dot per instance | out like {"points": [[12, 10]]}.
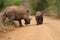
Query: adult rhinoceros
{"points": [[16, 13]]}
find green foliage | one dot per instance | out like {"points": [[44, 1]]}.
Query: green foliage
{"points": [[58, 8], [54, 7], [39, 5], [16, 2], [33, 4], [51, 2], [1, 4], [5, 3], [42, 5], [50, 6]]}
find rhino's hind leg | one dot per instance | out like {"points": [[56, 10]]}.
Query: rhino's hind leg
{"points": [[4, 19], [11, 21]]}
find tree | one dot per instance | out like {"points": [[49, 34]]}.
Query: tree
{"points": [[1, 4]]}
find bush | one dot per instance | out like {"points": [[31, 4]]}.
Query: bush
{"points": [[5, 3], [16, 2], [54, 8], [1, 4], [39, 5]]}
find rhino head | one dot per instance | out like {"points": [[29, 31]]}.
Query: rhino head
{"points": [[27, 20]]}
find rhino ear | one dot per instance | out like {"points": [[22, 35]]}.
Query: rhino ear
{"points": [[27, 11]]}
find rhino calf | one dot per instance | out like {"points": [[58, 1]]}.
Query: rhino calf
{"points": [[39, 17]]}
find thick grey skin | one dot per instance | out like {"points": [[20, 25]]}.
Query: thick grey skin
{"points": [[39, 18], [16, 13]]}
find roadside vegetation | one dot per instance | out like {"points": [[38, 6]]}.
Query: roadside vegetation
{"points": [[49, 7]]}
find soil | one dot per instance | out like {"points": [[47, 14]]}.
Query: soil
{"points": [[49, 30]]}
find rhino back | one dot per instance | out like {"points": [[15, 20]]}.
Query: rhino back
{"points": [[17, 11]]}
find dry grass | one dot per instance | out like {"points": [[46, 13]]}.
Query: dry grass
{"points": [[5, 29]]}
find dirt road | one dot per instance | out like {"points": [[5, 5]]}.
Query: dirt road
{"points": [[49, 30]]}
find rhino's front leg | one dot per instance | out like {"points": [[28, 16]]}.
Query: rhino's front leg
{"points": [[37, 20], [20, 22]]}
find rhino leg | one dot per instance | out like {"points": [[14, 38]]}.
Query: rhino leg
{"points": [[20, 22], [4, 19], [37, 21], [11, 20]]}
